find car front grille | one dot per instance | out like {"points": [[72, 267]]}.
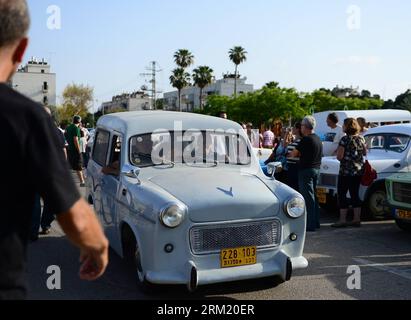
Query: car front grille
{"points": [[402, 192], [328, 180], [214, 238]]}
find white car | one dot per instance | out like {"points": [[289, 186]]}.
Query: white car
{"points": [[375, 117], [389, 152], [208, 216]]}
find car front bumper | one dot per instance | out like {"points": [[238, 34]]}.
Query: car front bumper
{"points": [[201, 272]]}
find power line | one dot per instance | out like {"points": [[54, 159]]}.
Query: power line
{"points": [[153, 74]]}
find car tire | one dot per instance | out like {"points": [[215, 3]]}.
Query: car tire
{"points": [[374, 205], [403, 225], [132, 257]]}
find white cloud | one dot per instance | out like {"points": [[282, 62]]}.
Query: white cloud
{"points": [[359, 60]]}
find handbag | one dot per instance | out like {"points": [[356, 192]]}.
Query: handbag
{"points": [[369, 176]]}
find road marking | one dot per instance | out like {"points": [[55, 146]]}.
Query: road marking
{"points": [[406, 274]]}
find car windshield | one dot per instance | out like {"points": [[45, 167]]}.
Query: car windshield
{"points": [[389, 142], [189, 147]]}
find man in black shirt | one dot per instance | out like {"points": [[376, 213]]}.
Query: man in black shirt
{"points": [[34, 164], [310, 151]]}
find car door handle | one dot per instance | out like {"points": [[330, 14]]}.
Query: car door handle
{"points": [[124, 192], [397, 165]]}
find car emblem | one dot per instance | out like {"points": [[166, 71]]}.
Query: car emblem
{"points": [[325, 167], [229, 193]]}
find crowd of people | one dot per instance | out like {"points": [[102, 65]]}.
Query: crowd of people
{"points": [[300, 151]]}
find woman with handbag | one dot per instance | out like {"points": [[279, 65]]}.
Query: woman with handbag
{"points": [[351, 153]]}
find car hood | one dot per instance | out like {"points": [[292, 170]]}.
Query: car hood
{"points": [[213, 195], [381, 161]]}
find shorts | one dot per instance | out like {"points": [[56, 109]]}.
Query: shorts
{"points": [[75, 160]]}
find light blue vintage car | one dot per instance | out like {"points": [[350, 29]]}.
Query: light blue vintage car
{"points": [[183, 197]]}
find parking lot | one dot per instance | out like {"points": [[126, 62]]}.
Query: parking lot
{"points": [[380, 249]]}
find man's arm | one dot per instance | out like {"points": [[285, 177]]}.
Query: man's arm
{"points": [[84, 231]]}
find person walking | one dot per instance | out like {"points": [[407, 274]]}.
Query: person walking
{"points": [[351, 154], [73, 136], [41, 171], [84, 136], [309, 151], [45, 218]]}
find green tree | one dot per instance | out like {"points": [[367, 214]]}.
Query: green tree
{"points": [[179, 79], [403, 101], [202, 77], [237, 55], [77, 99], [183, 58]]}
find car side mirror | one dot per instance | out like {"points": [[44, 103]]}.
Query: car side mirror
{"points": [[274, 168], [130, 171]]}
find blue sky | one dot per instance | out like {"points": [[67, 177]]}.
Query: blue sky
{"points": [[299, 43]]}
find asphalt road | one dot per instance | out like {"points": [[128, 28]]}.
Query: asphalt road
{"points": [[380, 249]]}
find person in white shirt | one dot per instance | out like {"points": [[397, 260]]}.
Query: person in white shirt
{"points": [[334, 134], [85, 134]]}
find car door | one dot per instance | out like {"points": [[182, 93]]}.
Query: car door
{"points": [[110, 186], [94, 170]]}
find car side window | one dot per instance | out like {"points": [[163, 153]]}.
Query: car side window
{"points": [[113, 167], [398, 143], [101, 144]]}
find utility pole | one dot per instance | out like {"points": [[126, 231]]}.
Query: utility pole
{"points": [[153, 74]]}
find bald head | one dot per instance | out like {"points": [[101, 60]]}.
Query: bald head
{"points": [[14, 21]]}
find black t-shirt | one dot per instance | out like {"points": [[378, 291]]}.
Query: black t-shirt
{"points": [[32, 162], [311, 149]]}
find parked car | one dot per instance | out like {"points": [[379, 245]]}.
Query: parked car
{"points": [[389, 152], [375, 117], [399, 198], [192, 221]]}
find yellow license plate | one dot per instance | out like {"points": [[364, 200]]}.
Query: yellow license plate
{"points": [[237, 257], [403, 214], [322, 195]]}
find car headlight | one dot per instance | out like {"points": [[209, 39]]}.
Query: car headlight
{"points": [[173, 216], [295, 207]]}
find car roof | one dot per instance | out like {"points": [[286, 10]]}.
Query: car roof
{"points": [[382, 115], [396, 128], [140, 122]]}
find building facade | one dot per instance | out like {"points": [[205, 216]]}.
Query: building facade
{"points": [[136, 101], [36, 81], [190, 96]]}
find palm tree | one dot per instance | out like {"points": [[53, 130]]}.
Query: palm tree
{"points": [[183, 58], [202, 77], [179, 79], [237, 55]]}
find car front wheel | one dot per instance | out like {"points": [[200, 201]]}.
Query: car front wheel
{"points": [[376, 204], [133, 258]]}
